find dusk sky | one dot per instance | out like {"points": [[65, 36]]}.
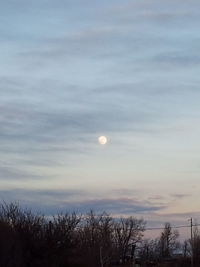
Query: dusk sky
{"points": [[71, 71]]}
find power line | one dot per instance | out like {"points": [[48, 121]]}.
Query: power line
{"points": [[173, 227]]}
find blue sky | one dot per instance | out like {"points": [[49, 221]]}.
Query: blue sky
{"points": [[74, 70]]}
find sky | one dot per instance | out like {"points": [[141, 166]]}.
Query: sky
{"points": [[71, 71]]}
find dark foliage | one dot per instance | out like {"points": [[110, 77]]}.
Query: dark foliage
{"points": [[28, 239], [91, 240]]}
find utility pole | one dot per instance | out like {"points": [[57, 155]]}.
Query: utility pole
{"points": [[191, 233]]}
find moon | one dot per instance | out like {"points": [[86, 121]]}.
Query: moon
{"points": [[102, 140]]}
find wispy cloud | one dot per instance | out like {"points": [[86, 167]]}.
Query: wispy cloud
{"points": [[64, 200], [71, 71], [180, 196]]}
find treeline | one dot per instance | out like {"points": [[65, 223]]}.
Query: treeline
{"points": [[72, 240]]}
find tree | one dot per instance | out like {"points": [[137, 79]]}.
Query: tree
{"points": [[61, 238], [195, 245], [95, 239], [149, 250], [127, 233], [28, 231], [168, 241]]}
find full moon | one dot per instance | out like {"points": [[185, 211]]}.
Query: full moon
{"points": [[102, 140]]}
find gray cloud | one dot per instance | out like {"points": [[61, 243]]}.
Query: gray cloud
{"points": [[73, 70], [52, 201], [31, 194], [180, 196], [49, 118], [182, 59], [39, 121], [157, 197], [38, 124], [17, 174], [117, 206]]}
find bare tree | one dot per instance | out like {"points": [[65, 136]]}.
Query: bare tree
{"points": [[168, 241], [186, 249], [95, 239], [127, 233], [61, 238], [149, 250], [27, 228]]}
